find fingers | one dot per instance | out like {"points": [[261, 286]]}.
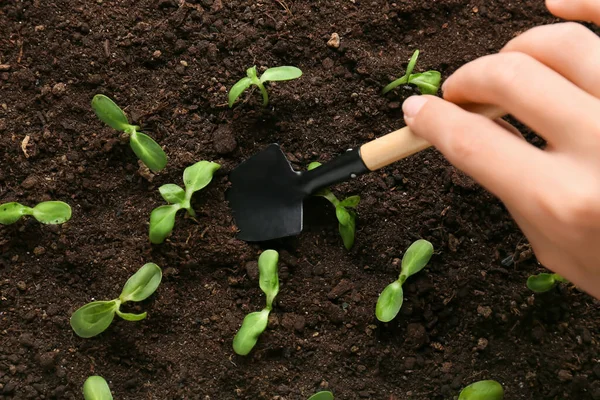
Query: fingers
{"points": [[579, 57], [533, 93], [582, 10], [494, 157]]}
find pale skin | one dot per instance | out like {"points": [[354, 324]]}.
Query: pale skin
{"points": [[548, 78]]}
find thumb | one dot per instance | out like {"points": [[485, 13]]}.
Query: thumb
{"points": [[584, 10], [475, 144]]}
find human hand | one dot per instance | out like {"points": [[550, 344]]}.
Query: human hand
{"points": [[548, 78]]}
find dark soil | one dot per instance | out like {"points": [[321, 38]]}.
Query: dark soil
{"points": [[467, 317]]}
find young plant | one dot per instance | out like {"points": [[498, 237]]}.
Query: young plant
{"points": [[343, 211], [96, 388], [142, 145], [95, 317], [482, 390], [390, 300], [321, 396], [47, 212], [427, 82], [255, 323], [271, 74], [544, 282], [162, 219]]}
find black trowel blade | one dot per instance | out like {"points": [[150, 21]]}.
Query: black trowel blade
{"points": [[266, 197]]}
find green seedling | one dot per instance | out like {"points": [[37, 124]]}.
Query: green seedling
{"points": [[255, 323], [271, 74], [544, 282], [96, 388], [142, 145], [95, 317], [482, 390], [162, 219], [390, 300], [321, 396], [343, 211], [47, 212], [427, 82]]}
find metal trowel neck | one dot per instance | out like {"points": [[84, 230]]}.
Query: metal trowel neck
{"points": [[343, 168]]}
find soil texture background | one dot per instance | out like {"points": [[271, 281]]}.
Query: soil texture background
{"points": [[468, 316]]}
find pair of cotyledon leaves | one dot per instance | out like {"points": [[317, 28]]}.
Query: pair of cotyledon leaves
{"points": [[255, 323], [284, 73], [47, 212], [390, 300], [162, 219], [427, 82], [95, 317], [344, 212], [142, 145]]}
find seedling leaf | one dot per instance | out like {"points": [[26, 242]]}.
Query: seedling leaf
{"points": [[411, 64], [162, 221], [343, 215], [132, 317], [142, 284], [389, 302], [172, 194], [482, 390], [93, 318], [110, 113], [348, 230], [427, 82], [96, 388], [280, 74], [269, 278], [52, 212], [393, 85], [321, 396], [350, 202], [253, 325], [239, 88], [148, 151], [416, 257], [197, 176], [543, 282], [12, 212], [313, 165]]}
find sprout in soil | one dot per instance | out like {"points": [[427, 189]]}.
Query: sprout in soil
{"points": [[255, 323], [482, 390], [96, 388], [390, 300], [343, 210], [427, 82], [95, 317], [544, 282], [321, 396], [47, 212], [143, 145], [162, 219], [271, 74]]}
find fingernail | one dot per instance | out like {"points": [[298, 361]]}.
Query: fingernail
{"points": [[413, 105]]}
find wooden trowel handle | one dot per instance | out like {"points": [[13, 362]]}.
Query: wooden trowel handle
{"points": [[403, 143]]}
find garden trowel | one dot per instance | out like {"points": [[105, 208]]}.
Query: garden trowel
{"points": [[266, 194]]}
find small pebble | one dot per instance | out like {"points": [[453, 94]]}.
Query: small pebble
{"points": [[334, 41]]}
